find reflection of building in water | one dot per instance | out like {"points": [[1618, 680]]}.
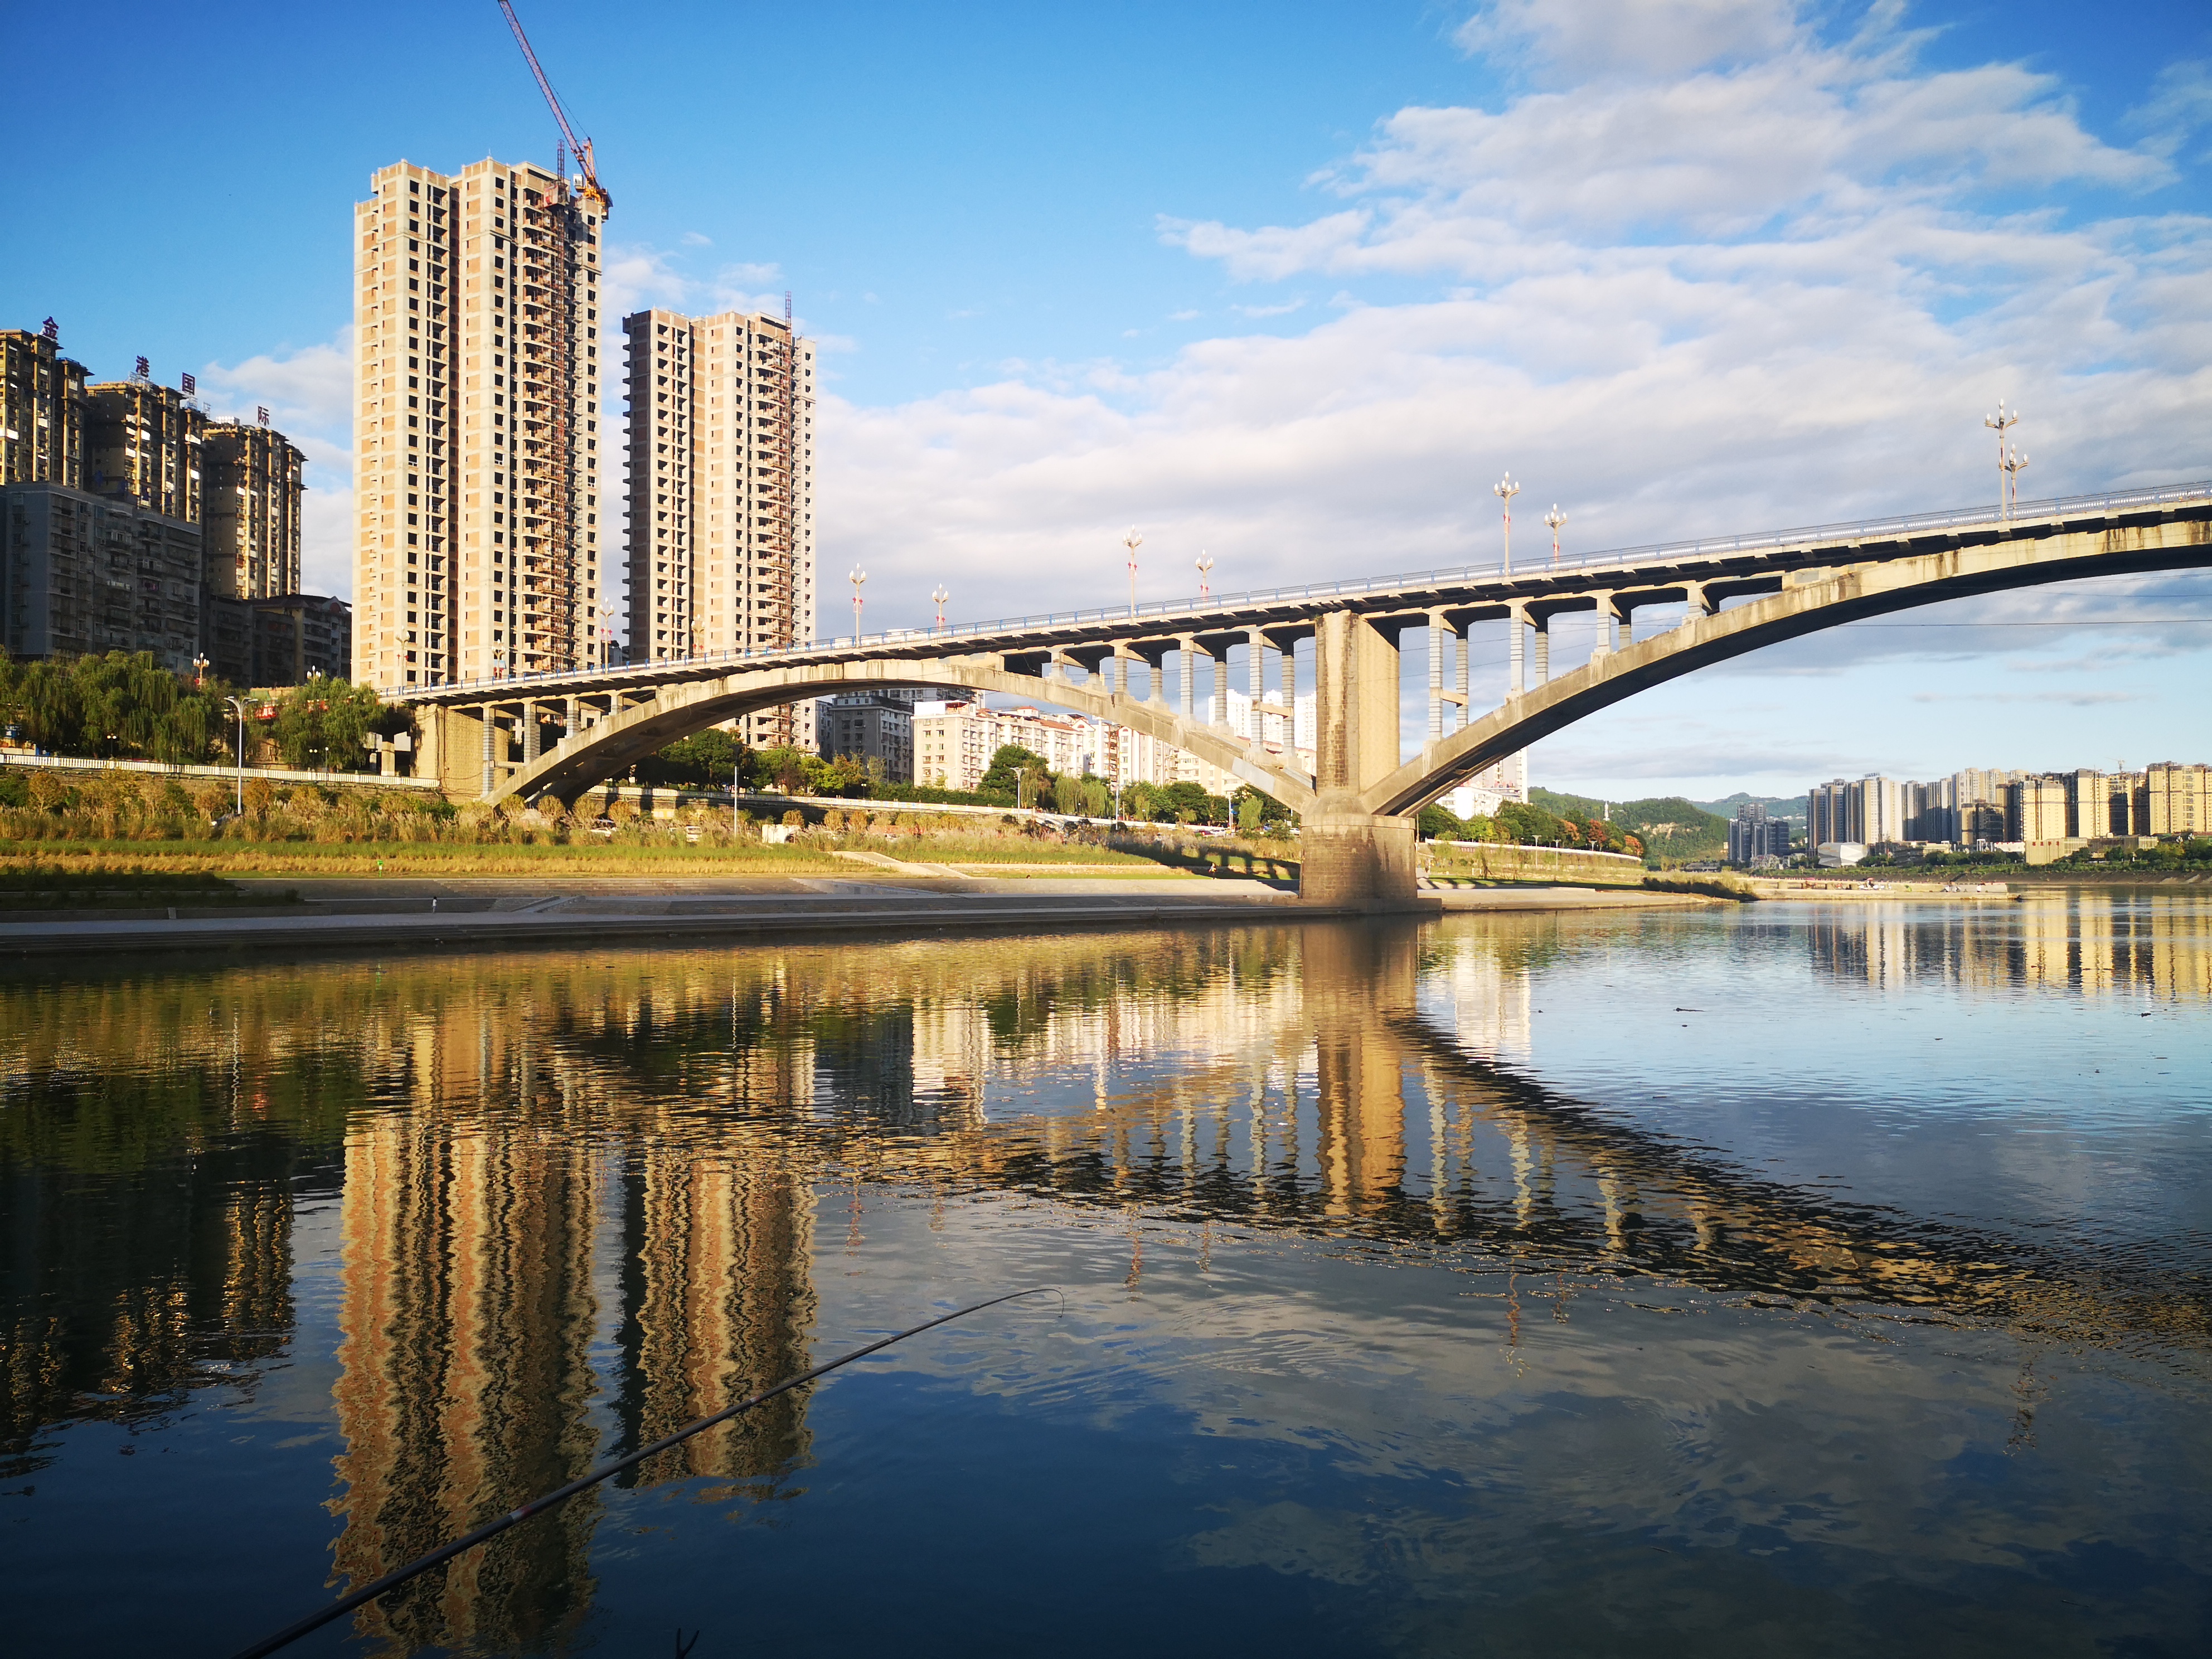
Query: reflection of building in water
{"points": [[718, 1302], [1487, 985], [2095, 943], [470, 1222], [467, 1320], [148, 1246]]}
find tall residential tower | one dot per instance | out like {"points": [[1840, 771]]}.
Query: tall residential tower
{"points": [[476, 537], [721, 495]]}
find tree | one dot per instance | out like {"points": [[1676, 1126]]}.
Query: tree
{"points": [[1439, 823], [1015, 776], [711, 758], [326, 723]]}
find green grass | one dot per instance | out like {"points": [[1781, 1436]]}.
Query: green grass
{"points": [[77, 858]]}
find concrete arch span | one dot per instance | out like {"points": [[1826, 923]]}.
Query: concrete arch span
{"points": [[1808, 603], [586, 758]]}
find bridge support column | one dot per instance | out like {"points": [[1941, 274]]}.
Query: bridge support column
{"points": [[1219, 655], [1358, 860], [491, 736], [529, 737], [1516, 645], [1463, 652], [569, 728], [1543, 630], [1186, 656], [1608, 626], [1438, 630], [1255, 680]]}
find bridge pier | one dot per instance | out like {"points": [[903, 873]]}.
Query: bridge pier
{"points": [[1356, 859]]}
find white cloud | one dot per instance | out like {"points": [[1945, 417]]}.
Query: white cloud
{"points": [[693, 239], [309, 397], [1758, 285], [1766, 281]]}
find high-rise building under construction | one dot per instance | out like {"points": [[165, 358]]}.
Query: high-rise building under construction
{"points": [[476, 534], [720, 495]]}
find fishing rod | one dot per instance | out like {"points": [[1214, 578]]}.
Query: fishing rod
{"points": [[370, 1592]]}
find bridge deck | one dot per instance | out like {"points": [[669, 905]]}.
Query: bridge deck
{"points": [[1723, 565]]}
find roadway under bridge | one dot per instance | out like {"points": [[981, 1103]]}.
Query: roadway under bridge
{"points": [[1166, 670]]}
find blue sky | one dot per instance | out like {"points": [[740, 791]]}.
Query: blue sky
{"points": [[1291, 284]]}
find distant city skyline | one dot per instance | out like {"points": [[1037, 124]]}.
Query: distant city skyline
{"points": [[1294, 292]]}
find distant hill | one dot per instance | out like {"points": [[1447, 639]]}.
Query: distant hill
{"points": [[1669, 826], [1777, 806]]}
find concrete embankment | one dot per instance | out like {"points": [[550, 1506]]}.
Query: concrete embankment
{"points": [[517, 914]]}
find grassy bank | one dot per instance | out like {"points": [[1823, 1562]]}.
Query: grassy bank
{"points": [[73, 863]]}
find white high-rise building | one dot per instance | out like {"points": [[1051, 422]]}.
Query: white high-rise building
{"points": [[721, 495]]}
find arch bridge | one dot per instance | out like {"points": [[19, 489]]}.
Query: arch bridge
{"points": [[1167, 669]]}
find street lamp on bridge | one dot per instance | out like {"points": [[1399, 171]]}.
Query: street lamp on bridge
{"points": [[1204, 562], [1505, 489], [2014, 464], [1557, 520], [1133, 541], [857, 576], [2001, 422], [939, 595]]}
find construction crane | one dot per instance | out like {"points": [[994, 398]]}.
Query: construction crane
{"points": [[588, 185]]}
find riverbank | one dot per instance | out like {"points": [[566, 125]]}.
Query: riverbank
{"points": [[419, 911], [310, 917]]}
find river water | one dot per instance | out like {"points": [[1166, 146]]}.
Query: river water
{"points": [[1789, 1278]]}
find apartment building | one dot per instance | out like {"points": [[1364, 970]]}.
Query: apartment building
{"points": [[81, 574], [1870, 810], [250, 508], [144, 440], [476, 436], [875, 727], [954, 742], [41, 409], [720, 495], [1752, 835], [2039, 808], [2176, 799]]}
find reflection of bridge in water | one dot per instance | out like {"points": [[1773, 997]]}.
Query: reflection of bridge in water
{"points": [[576, 1195]]}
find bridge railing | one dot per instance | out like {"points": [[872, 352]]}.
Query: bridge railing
{"points": [[1196, 610]]}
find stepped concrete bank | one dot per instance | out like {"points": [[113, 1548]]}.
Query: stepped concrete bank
{"points": [[518, 913]]}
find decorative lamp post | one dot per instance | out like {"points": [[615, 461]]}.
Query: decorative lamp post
{"points": [[1505, 489], [240, 706], [2016, 462], [1133, 541], [1557, 519], [499, 662], [939, 596], [857, 576], [2000, 420], [1204, 562], [199, 671]]}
